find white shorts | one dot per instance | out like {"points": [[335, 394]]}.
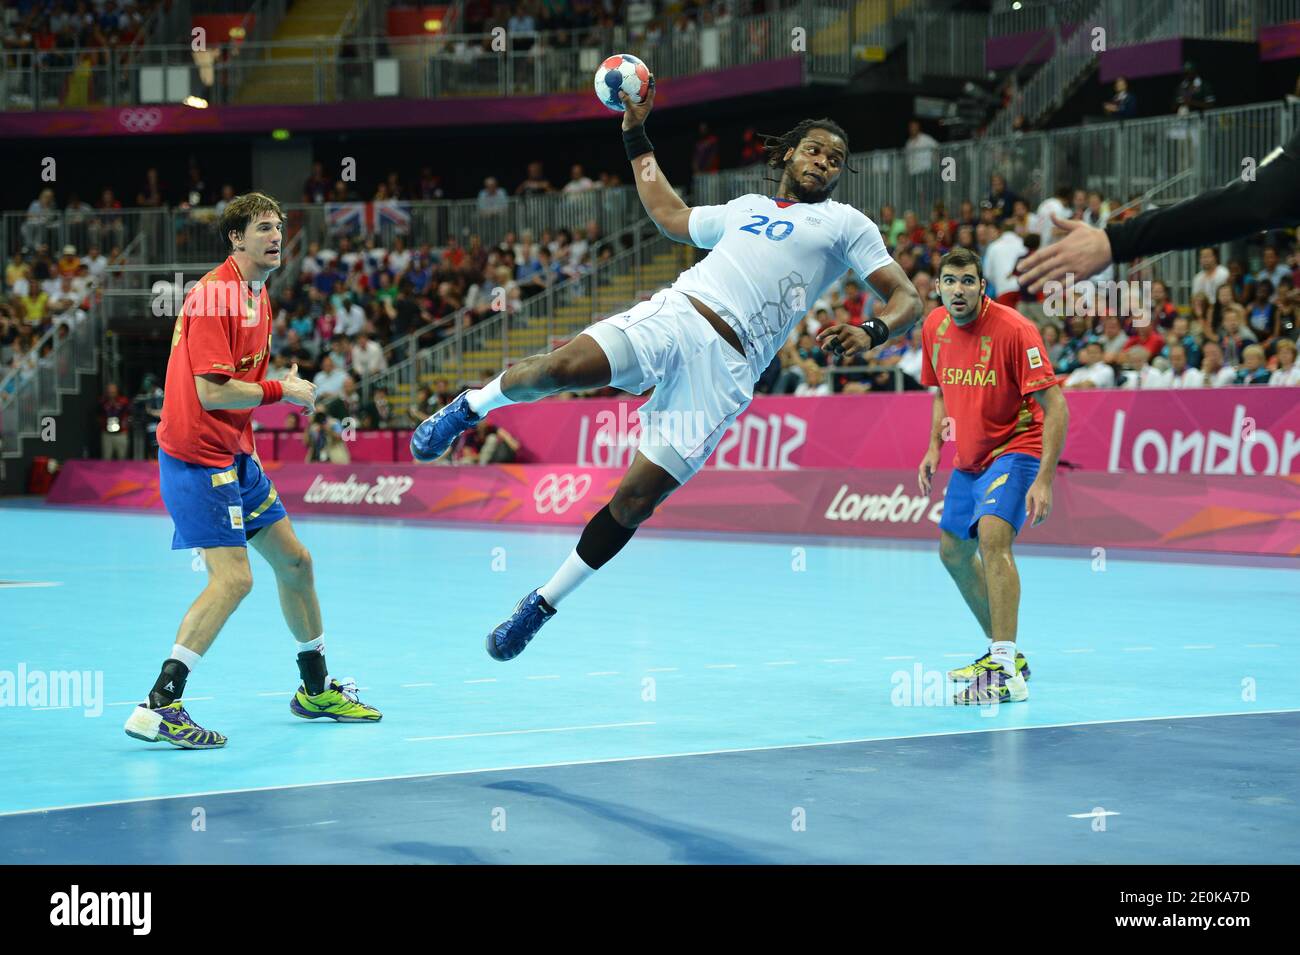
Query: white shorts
{"points": [[701, 382]]}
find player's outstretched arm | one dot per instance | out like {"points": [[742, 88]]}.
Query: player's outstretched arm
{"points": [[220, 393], [664, 206]]}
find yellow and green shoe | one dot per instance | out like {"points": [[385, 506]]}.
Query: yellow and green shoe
{"points": [[338, 702], [171, 724], [985, 664], [993, 686]]}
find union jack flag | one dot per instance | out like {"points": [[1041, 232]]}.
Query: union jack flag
{"points": [[368, 218]]}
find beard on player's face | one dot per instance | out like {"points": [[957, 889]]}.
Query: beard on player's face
{"points": [[810, 178]]}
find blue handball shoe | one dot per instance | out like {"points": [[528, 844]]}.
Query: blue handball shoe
{"points": [[436, 433], [508, 640]]}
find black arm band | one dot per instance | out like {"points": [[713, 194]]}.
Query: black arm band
{"points": [[878, 331], [636, 142]]}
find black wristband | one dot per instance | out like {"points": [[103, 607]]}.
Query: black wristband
{"points": [[636, 142], [877, 330]]}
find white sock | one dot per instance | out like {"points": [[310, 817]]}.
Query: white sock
{"points": [[318, 645], [1003, 652], [490, 396], [186, 656], [572, 572]]}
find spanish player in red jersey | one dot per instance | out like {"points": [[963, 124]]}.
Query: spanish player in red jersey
{"points": [[215, 489], [999, 401]]}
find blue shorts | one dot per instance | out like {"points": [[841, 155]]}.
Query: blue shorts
{"points": [[999, 489], [217, 507]]}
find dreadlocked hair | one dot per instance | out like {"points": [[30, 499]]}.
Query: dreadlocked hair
{"points": [[776, 146]]}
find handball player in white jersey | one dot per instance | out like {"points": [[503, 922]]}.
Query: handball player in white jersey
{"points": [[701, 343]]}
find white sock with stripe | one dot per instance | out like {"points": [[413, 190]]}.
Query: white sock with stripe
{"points": [[1003, 652], [490, 396]]}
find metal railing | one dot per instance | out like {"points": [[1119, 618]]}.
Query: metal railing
{"points": [[190, 234], [945, 43]]}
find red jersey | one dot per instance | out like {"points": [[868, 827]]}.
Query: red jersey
{"points": [[222, 330], [985, 370]]}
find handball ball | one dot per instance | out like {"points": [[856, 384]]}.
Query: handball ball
{"points": [[622, 72]]}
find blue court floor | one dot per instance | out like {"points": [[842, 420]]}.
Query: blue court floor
{"points": [[699, 700]]}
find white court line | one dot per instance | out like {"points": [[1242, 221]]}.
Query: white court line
{"points": [[14, 584], [273, 693], [664, 669], [781, 663], [604, 673], [549, 729], [1198, 646], [490, 679], [719, 666], [407, 686], [1263, 644], [1092, 815], [632, 759], [548, 676]]}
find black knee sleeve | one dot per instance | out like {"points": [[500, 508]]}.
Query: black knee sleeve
{"points": [[602, 538]]}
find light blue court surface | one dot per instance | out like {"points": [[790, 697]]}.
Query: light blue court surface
{"points": [[699, 700]]}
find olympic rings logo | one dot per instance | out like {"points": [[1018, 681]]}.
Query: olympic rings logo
{"points": [[140, 120], [556, 493]]}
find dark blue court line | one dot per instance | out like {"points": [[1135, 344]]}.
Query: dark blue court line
{"points": [[1202, 790]]}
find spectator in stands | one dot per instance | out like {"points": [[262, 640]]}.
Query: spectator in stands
{"points": [[578, 181], [814, 384], [1098, 212], [349, 316], [1214, 373], [1211, 276], [329, 380], [536, 184], [146, 412], [1093, 373], [1274, 270], [430, 186], [891, 227], [367, 356], [751, 147], [1163, 311], [1004, 250], [42, 218], [1193, 93], [379, 412], [1148, 337], [1138, 372], [1180, 334], [1235, 335], [1113, 339], [1241, 282], [538, 275], [345, 406], [1181, 374], [1000, 199], [1253, 370], [153, 194], [323, 440], [1288, 312], [1122, 104], [492, 199], [114, 424], [317, 187], [1054, 343], [423, 406], [919, 152], [1053, 205], [707, 157], [486, 444], [1288, 372], [1262, 316], [294, 351]]}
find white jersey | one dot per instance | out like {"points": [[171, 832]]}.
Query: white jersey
{"points": [[771, 259]]}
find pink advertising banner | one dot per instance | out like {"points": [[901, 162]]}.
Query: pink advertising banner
{"points": [[1224, 431], [1176, 512], [1243, 431]]}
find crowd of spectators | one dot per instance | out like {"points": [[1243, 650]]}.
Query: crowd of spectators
{"points": [[1238, 327]]}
